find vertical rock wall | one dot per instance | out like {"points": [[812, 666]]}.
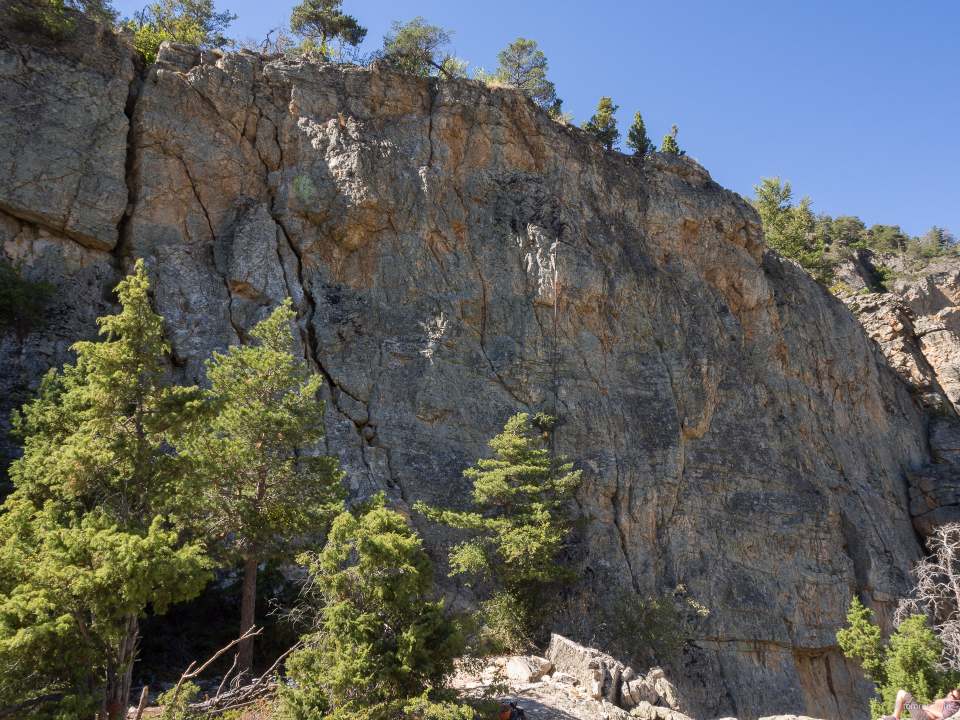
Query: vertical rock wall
{"points": [[738, 431]]}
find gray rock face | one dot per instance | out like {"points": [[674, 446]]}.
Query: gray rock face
{"points": [[63, 133], [738, 431], [83, 278], [918, 328]]}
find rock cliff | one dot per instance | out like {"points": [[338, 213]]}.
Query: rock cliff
{"points": [[738, 430], [916, 322]]}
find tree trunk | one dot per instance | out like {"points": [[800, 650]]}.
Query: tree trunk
{"points": [[119, 681], [248, 604]]}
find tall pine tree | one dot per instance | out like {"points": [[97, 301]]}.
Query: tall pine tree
{"points": [[89, 537], [268, 489], [522, 519]]}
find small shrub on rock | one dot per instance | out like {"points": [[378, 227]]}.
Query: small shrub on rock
{"points": [[647, 629], [176, 702], [49, 18]]}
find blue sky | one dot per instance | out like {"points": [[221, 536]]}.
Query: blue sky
{"points": [[856, 103]]}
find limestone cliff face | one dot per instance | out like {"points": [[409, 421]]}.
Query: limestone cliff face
{"points": [[917, 325], [738, 430]]}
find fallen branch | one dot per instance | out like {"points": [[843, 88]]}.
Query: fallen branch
{"points": [[190, 675], [220, 711], [273, 667], [242, 696]]}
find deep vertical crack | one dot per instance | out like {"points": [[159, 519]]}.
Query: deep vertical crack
{"points": [[124, 226]]}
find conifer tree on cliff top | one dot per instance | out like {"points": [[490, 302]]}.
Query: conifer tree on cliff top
{"points": [[89, 536], [267, 490], [524, 66], [669, 145], [321, 21], [603, 124], [637, 139], [421, 48]]}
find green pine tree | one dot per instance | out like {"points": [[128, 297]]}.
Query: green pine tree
{"points": [[603, 124], [378, 640], [908, 662], [523, 518], [322, 21], [669, 145], [88, 538], [792, 230], [861, 639], [420, 48], [267, 489], [637, 139], [525, 67]]}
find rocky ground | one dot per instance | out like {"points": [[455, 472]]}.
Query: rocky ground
{"points": [[561, 698]]}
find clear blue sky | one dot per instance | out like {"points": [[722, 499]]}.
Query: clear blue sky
{"points": [[856, 103]]}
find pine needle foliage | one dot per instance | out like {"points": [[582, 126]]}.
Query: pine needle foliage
{"points": [[908, 662], [792, 230], [379, 641], [420, 48], [524, 66], [669, 145], [268, 491], [603, 124], [637, 139], [523, 496], [322, 21], [89, 538]]}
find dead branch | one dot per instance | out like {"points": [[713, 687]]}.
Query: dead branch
{"points": [[220, 711], [242, 696], [937, 593], [223, 682], [252, 632], [143, 702], [273, 667]]}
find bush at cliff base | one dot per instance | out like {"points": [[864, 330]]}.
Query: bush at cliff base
{"points": [[377, 640]]}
